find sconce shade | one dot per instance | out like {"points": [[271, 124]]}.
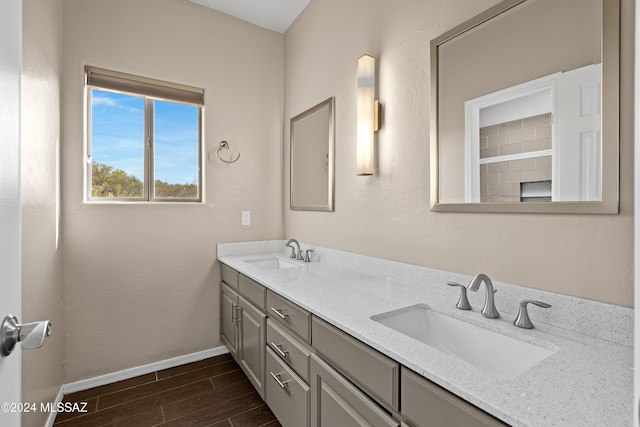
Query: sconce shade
{"points": [[366, 115]]}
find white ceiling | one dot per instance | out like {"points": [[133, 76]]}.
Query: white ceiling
{"points": [[274, 15]]}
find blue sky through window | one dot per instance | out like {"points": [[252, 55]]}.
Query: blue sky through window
{"points": [[117, 131], [176, 143], [117, 136]]}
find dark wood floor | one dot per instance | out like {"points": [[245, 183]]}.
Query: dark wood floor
{"points": [[212, 392]]}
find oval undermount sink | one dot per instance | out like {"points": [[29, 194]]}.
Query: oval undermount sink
{"points": [[499, 355], [273, 263]]}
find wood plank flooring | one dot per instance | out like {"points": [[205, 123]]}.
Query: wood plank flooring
{"points": [[212, 392]]}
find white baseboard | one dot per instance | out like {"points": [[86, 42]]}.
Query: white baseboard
{"points": [[52, 415], [132, 372]]}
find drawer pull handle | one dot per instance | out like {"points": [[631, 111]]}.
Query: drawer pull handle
{"points": [[238, 313], [278, 349], [282, 384], [279, 312]]}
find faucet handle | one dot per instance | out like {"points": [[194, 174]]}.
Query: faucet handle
{"points": [[522, 320], [463, 302], [307, 257], [293, 251]]}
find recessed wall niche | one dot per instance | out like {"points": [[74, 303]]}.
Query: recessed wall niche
{"points": [[513, 153]]}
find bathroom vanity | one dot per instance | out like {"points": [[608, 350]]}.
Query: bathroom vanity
{"points": [[324, 345]]}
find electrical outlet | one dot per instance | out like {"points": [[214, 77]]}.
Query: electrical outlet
{"points": [[246, 218]]}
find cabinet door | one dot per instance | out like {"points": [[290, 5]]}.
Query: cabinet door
{"points": [[426, 404], [228, 316], [336, 402], [252, 343]]}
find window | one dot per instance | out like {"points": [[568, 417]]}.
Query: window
{"points": [[143, 139]]}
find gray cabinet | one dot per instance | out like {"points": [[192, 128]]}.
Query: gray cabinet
{"points": [[289, 349], [252, 326], [243, 329], [287, 373], [229, 276], [370, 369], [228, 319], [287, 394], [294, 318], [425, 404], [311, 373], [252, 291], [336, 402]]}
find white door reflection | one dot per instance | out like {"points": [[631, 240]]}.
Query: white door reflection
{"points": [[538, 141]]}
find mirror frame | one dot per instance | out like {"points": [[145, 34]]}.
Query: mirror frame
{"points": [[329, 207], [610, 122]]}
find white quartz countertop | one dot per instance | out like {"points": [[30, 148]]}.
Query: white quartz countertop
{"points": [[587, 382]]}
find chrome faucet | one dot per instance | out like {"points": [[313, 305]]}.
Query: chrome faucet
{"points": [[489, 310], [294, 255]]}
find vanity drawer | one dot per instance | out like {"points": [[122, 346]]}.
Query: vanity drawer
{"points": [[288, 349], [372, 370], [287, 395], [253, 291], [290, 315], [425, 403], [229, 276]]}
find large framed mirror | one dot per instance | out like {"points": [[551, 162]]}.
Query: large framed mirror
{"points": [[312, 158], [525, 109]]}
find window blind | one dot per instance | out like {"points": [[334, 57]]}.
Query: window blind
{"points": [[122, 82]]}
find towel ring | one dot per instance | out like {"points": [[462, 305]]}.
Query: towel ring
{"points": [[225, 145]]}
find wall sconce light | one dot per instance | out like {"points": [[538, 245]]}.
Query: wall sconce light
{"points": [[368, 115]]}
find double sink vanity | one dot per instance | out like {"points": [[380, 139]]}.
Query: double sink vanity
{"points": [[345, 339], [351, 340]]}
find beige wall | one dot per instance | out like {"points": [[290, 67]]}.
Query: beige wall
{"points": [[388, 215], [41, 252], [140, 282]]}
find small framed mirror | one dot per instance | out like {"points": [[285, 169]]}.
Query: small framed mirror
{"points": [[525, 109], [312, 158]]}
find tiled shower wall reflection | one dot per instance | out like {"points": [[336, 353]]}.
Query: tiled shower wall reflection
{"points": [[500, 180]]}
